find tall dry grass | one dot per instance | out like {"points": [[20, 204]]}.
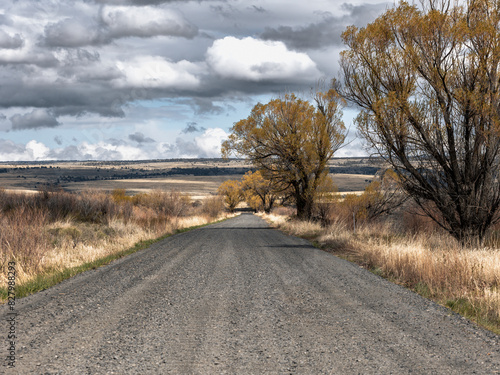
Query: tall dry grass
{"points": [[55, 230], [412, 251]]}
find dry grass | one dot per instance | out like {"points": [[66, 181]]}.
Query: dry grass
{"points": [[419, 257], [53, 231]]}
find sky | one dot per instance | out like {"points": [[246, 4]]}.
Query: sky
{"points": [[158, 79]]}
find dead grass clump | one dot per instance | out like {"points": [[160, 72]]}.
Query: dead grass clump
{"points": [[96, 207], [23, 239], [212, 207]]}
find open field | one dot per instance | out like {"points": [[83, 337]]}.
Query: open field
{"points": [[196, 177]]}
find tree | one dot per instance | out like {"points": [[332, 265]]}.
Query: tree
{"points": [[259, 192], [291, 141], [232, 193], [427, 82], [382, 196]]}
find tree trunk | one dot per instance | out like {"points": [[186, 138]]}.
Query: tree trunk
{"points": [[304, 206]]}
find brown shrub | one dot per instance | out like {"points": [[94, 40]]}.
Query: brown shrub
{"points": [[96, 207], [212, 206], [22, 237], [169, 204]]}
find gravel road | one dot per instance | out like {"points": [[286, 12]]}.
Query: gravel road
{"points": [[240, 298]]}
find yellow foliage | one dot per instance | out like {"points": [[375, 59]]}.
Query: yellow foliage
{"points": [[232, 193], [291, 140]]}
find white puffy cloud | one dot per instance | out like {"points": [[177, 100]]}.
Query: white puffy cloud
{"points": [[37, 150], [146, 21], [156, 72], [209, 143], [258, 60]]}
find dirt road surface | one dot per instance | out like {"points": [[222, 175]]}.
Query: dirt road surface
{"points": [[240, 298]]}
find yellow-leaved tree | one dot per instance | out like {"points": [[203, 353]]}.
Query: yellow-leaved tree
{"points": [[231, 191], [290, 141], [427, 80], [259, 192]]}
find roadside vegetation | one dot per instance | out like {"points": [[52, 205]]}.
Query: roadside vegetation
{"points": [[51, 232], [407, 247]]}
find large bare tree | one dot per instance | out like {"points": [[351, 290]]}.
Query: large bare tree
{"points": [[427, 81], [290, 141]]}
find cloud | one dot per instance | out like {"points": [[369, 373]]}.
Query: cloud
{"points": [[10, 151], [258, 9], [37, 150], [33, 150], [74, 32], [204, 106], [156, 72], [326, 32], [192, 127], [139, 2], [209, 143], [116, 22], [140, 138], [38, 118], [10, 42], [257, 60], [146, 21], [106, 64]]}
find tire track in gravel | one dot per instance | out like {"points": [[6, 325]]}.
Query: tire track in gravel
{"points": [[237, 297]]}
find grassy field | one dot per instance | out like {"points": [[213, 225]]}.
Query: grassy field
{"points": [[198, 177]]}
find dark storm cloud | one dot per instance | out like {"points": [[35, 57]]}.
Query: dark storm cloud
{"points": [[65, 99], [192, 127], [140, 138], [38, 118], [10, 41], [326, 32]]}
